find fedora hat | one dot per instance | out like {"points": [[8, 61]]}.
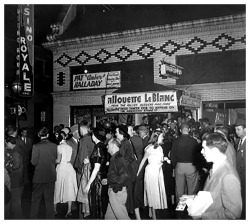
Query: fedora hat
{"points": [[240, 122]]}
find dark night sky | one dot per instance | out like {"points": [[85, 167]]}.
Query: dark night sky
{"points": [[118, 18], [103, 19]]}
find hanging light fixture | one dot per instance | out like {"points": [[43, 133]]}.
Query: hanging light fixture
{"points": [[17, 86]]}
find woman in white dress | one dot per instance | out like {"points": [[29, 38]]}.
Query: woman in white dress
{"points": [[154, 188], [66, 185]]}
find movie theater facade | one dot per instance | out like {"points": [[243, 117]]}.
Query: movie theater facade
{"points": [[195, 65]]}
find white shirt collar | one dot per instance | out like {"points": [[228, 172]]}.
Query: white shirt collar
{"points": [[243, 139], [75, 139]]}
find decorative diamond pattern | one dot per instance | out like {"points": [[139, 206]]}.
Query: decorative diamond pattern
{"points": [[64, 60], [103, 55], [146, 50], [243, 39], [169, 48], [195, 45], [82, 58], [123, 53], [223, 41]]}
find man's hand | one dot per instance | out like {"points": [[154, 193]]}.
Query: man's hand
{"points": [[86, 189], [104, 181], [86, 160]]}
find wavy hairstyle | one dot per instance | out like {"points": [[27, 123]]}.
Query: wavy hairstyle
{"points": [[216, 140]]}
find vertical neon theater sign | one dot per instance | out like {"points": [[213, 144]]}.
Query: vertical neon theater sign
{"points": [[25, 49]]}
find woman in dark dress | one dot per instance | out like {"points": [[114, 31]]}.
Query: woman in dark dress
{"points": [[94, 185], [131, 164], [168, 169]]}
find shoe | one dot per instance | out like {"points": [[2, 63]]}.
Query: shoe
{"points": [[68, 215], [55, 212]]}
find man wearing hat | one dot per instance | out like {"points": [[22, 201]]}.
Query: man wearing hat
{"points": [[240, 129], [143, 133], [73, 142], [43, 157]]}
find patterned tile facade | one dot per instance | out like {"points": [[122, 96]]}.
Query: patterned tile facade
{"points": [[146, 50], [214, 36]]}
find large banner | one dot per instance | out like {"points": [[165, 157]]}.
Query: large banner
{"points": [[97, 80], [25, 49], [150, 102]]}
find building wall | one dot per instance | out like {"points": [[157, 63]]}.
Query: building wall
{"points": [[160, 43]]}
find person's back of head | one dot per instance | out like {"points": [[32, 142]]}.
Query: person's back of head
{"points": [[84, 129], [216, 140], [43, 133], [11, 131], [84, 123], [223, 129], [184, 128]]}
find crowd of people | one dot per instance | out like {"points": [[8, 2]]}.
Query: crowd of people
{"points": [[125, 171]]}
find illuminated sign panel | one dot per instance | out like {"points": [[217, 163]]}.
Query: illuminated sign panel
{"points": [[25, 49]]}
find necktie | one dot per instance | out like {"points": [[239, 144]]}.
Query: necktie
{"points": [[239, 145], [24, 139]]}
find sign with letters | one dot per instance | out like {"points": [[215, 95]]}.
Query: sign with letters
{"points": [[190, 99], [97, 80], [170, 70], [25, 49], [148, 102]]}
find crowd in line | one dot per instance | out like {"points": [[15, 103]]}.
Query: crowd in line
{"points": [[120, 171]]}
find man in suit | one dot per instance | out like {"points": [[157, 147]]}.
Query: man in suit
{"points": [[230, 152], [28, 168], [137, 144], [143, 133], [86, 147], [73, 142], [12, 131], [240, 129], [16, 178], [43, 157], [223, 182]]}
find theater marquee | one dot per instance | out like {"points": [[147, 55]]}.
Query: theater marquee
{"points": [[162, 101]]}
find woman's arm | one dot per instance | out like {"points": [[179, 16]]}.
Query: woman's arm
{"points": [[92, 177], [59, 155], [145, 157]]}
